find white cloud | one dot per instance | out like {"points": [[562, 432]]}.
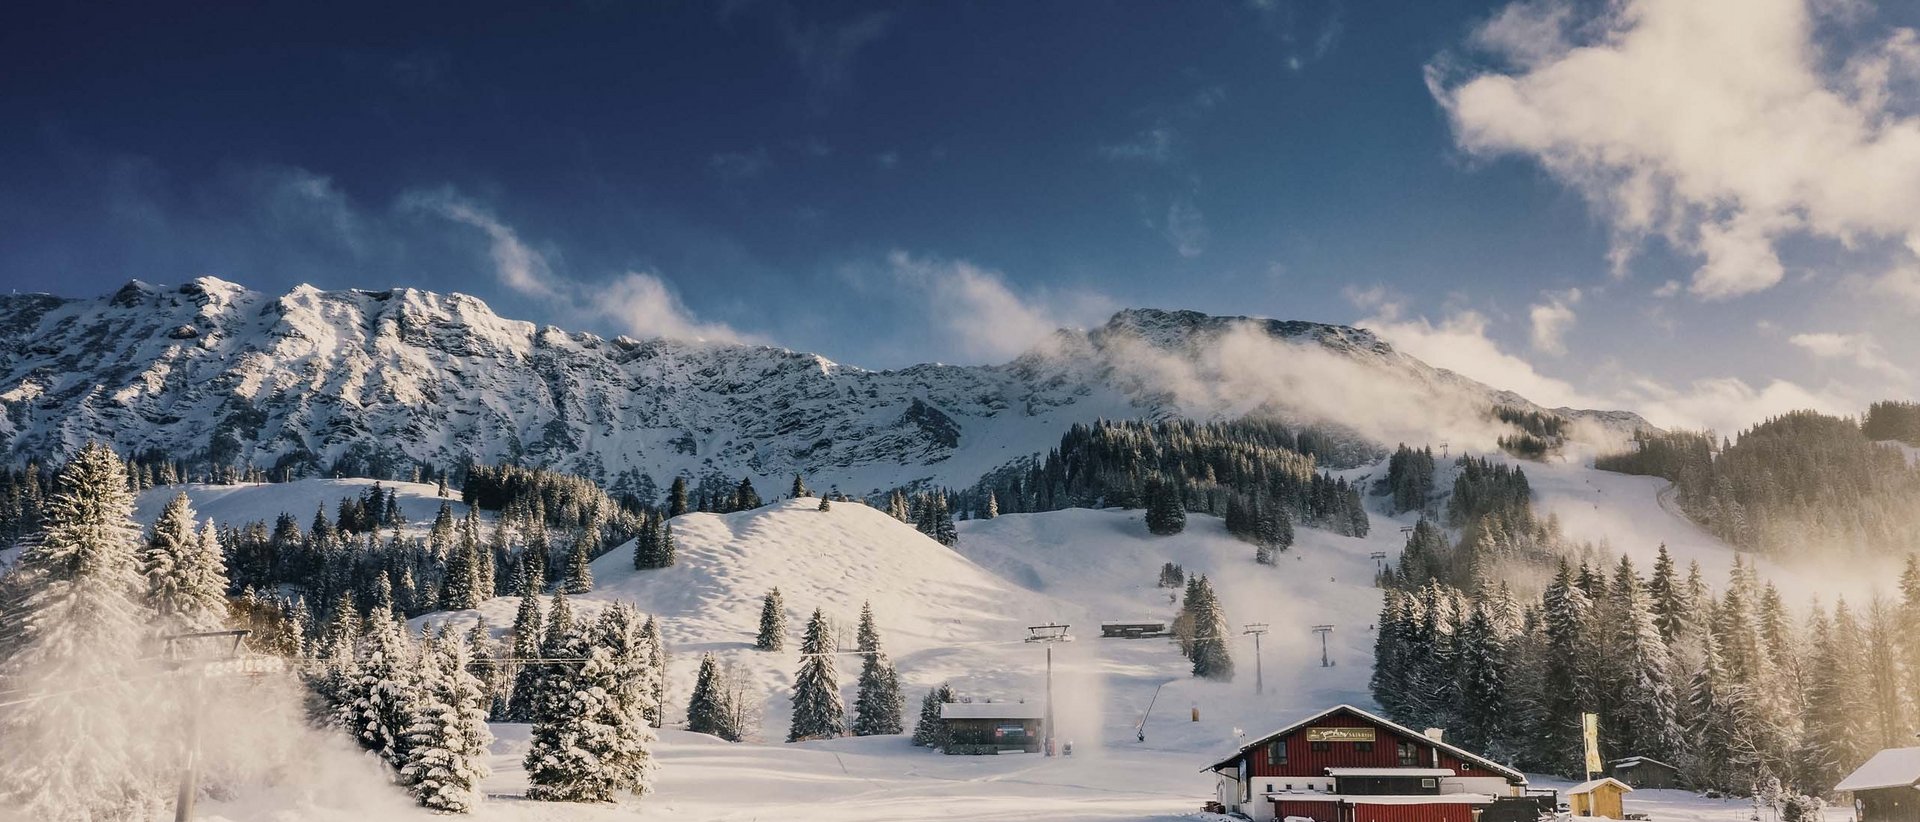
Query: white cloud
{"points": [[638, 303], [1712, 123], [516, 265], [1860, 349], [980, 314], [1551, 319], [1460, 342], [1186, 228]]}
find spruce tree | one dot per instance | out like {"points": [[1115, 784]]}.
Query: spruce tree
{"points": [[1166, 513], [667, 552], [817, 710], [825, 504], [705, 712], [744, 497], [799, 490], [579, 579], [773, 623], [73, 616], [931, 730], [588, 742], [447, 744], [677, 497], [1648, 713], [656, 650], [1211, 659], [385, 701], [1484, 707], [529, 631], [877, 704], [461, 589], [993, 506]]}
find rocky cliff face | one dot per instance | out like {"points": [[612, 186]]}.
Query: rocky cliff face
{"points": [[376, 381]]}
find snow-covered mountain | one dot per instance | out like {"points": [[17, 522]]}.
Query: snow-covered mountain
{"points": [[210, 370]]}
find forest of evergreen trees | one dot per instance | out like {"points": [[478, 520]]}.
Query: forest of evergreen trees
{"points": [[1258, 472], [1799, 484], [1728, 684]]}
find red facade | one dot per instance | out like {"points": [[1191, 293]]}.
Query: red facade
{"points": [[1360, 812], [1303, 761]]}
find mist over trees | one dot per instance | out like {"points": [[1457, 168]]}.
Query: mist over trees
{"points": [[1799, 484]]}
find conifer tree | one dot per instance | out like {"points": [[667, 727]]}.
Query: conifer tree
{"points": [[1566, 686], [1211, 659], [744, 497], [529, 631], [656, 650], [993, 506], [1649, 711], [897, 506], [447, 744], [1166, 513], [931, 730], [800, 490], [817, 710], [589, 741], [667, 552], [579, 579], [1484, 707], [462, 587], [706, 714], [877, 704], [677, 497], [825, 504], [1669, 597], [385, 699], [73, 615], [773, 623]]}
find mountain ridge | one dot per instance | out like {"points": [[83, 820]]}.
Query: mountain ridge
{"points": [[375, 381]]}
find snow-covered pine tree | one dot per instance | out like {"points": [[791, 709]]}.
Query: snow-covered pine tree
{"points": [[1647, 713], [1166, 514], [745, 498], [1827, 748], [1568, 692], [529, 631], [385, 704], [1389, 681], [579, 578], [655, 647], [773, 622], [993, 506], [941, 519], [1211, 660], [620, 631], [1668, 595], [931, 731], [668, 554], [817, 710], [877, 705], [447, 744], [1484, 711], [799, 490], [77, 617], [440, 537], [825, 504], [705, 712], [643, 543], [461, 588], [589, 741]]}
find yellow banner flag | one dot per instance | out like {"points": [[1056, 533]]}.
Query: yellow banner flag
{"points": [[1590, 730]]}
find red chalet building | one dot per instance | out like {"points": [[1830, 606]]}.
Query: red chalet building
{"points": [[1347, 765]]}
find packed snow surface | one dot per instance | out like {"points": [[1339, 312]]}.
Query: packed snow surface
{"points": [[959, 615]]}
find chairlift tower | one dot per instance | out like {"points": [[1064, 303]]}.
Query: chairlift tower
{"points": [[1259, 677], [1323, 631], [1048, 634]]}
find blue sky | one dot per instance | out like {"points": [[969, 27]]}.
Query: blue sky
{"points": [[895, 183]]}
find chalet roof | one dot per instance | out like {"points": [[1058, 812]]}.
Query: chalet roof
{"points": [[1416, 736], [1636, 761], [1590, 785], [1891, 768], [990, 710]]}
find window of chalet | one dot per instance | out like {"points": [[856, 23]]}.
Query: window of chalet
{"points": [[1320, 747], [1363, 747], [1277, 752], [1409, 754]]}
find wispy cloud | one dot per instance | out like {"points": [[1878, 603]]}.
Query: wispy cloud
{"points": [[979, 315], [1718, 125], [1186, 228], [639, 303], [825, 51], [1551, 319], [1860, 349]]}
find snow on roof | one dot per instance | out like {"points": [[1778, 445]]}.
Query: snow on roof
{"points": [[1389, 772], [1590, 785], [990, 710], [1634, 761], [1418, 737], [1891, 768]]}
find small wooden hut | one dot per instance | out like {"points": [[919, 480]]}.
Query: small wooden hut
{"points": [[1600, 798]]}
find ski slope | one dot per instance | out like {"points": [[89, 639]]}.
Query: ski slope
{"points": [[959, 615]]}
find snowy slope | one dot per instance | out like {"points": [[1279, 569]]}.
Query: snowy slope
{"points": [[959, 616], [211, 370], [264, 502]]}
